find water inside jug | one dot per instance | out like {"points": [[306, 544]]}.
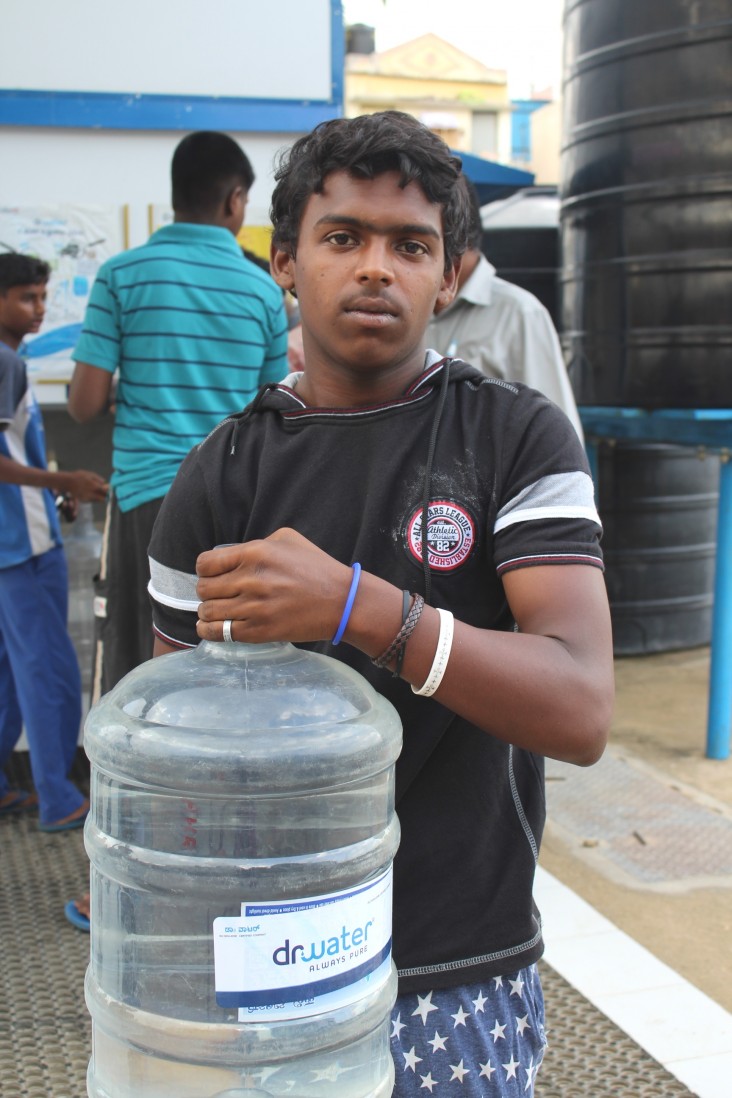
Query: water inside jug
{"points": [[241, 838]]}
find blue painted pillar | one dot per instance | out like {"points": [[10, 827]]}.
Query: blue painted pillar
{"points": [[719, 723]]}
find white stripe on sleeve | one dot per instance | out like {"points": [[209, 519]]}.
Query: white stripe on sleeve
{"points": [[561, 495]]}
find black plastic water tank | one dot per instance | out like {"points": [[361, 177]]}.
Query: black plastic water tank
{"points": [[658, 506], [360, 38], [646, 190], [521, 240]]}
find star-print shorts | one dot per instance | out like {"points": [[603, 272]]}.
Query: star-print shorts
{"points": [[483, 1041]]}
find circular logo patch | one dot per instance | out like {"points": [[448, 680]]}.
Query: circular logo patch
{"points": [[450, 534]]}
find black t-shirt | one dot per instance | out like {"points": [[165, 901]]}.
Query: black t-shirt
{"points": [[509, 487]]}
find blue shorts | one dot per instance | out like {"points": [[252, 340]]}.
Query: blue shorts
{"points": [[482, 1041]]}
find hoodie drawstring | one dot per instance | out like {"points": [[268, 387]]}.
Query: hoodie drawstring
{"points": [[428, 479]]}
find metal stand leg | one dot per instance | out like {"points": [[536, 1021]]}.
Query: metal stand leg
{"points": [[719, 725]]}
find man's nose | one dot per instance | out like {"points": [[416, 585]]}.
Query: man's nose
{"points": [[375, 263]]}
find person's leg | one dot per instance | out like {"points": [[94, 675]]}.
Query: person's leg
{"points": [[488, 1037], [127, 635], [64, 671], [46, 676], [11, 722]]}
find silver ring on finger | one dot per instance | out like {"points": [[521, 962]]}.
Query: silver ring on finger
{"points": [[227, 632]]}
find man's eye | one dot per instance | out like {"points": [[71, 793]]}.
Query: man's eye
{"points": [[340, 238], [413, 247]]}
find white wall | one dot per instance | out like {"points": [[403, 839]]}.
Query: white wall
{"points": [[503, 151], [121, 167], [169, 47], [546, 141]]}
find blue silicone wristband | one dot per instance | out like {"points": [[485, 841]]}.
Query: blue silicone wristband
{"points": [[349, 604]]}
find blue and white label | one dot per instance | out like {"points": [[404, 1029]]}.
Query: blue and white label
{"points": [[292, 958]]}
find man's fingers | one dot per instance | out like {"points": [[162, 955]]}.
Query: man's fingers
{"points": [[223, 558], [250, 554], [215, 630], [226, 585], [218, 609]]}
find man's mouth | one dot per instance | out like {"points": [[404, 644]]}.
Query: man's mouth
{"points": [[371, 311]]}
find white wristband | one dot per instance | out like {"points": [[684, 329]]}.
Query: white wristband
{"points": [[442, 655]]}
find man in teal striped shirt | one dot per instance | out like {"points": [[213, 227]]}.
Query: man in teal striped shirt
{"points": [[191, 329]]}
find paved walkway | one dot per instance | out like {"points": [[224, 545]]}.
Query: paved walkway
{"points": [[641, 922]]}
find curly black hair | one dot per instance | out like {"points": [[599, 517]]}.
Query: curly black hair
{"points": [[366, 147]]}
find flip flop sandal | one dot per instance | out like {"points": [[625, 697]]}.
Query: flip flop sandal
{"points": [[21, 802], [68, 825], [75, 917]]}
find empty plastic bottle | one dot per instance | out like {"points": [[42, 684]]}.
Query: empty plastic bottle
{"points": [[241, 838]]}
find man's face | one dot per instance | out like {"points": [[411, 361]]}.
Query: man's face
{"points": [[369, 268], [22, 308]]}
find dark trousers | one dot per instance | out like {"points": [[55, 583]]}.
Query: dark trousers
{"points": [[123, 618]]}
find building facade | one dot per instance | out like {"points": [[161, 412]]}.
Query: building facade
{"points": [[459, 98]]}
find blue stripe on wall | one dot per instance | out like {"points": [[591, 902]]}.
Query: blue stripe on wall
{"points": [[112, 111]]}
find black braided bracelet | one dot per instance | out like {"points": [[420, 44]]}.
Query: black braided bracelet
{"points": [[383, 659], [404, 633], [406, 600]]}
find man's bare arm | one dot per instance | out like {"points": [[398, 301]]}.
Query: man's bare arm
{"points": [[548, 688], [81, 483], [89, 391]]}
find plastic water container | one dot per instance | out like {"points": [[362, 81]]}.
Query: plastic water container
{"points": [[83, 545], [241, 837]]}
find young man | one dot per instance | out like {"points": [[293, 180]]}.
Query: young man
{"points": [[374, 445], [193, 329], [40, 686]]}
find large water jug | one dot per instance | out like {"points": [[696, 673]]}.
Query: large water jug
{"points": [[83, 545], [241, 838]]}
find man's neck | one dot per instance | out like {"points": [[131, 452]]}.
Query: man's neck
{"points": [[348, 389], [10, 338], [193, 219]]}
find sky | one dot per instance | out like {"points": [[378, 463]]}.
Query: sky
{"points": [[521, 36]]}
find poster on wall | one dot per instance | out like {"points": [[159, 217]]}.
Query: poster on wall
{"points": [[74, 241]]}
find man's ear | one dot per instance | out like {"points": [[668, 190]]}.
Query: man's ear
{"points": [[282, 266], [449, 286], [236, 197], [235, 205]]}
